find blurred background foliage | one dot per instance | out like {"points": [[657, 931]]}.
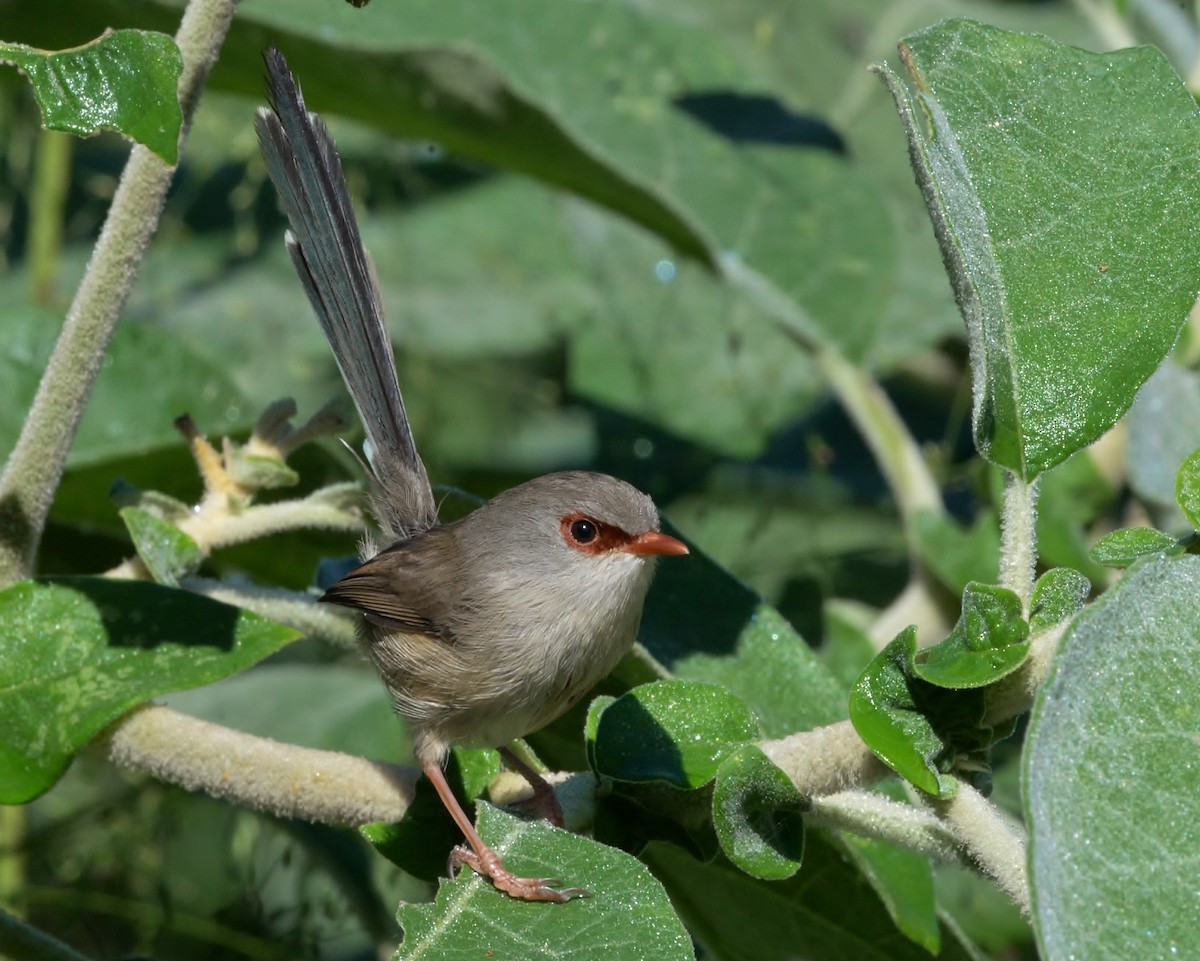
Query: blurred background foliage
{"points": [[536, 331]]}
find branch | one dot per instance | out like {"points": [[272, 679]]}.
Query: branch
{"points": [[990, 839], [257, 772], [1018, 537], [826, 760], [875, 816]]}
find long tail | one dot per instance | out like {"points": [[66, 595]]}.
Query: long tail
{"points": [[339, 279]]}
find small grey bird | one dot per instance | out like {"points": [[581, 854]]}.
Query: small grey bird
{"points": [[487, 628]]}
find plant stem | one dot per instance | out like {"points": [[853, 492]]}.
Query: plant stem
{"points": [[281, 779], [826, 759], [51, 178], [1018, 537], [990, 840], [874, 816], [36, 464]]}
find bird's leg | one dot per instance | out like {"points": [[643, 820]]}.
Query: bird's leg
{"points": [[483, 860], [544, 798]]}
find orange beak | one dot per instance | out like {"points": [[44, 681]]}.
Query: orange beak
{"points": [[656, 542]]}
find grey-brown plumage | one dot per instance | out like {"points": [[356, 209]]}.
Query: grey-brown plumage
{"points": [[487, 628]]}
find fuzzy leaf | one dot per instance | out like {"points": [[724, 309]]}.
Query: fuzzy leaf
{"points": [[167, 552], [758, 814], [1121, 548], [990, 640], [1059, 593], [628, 912], [1110, 774], [1071, 299], [1187, 488]]}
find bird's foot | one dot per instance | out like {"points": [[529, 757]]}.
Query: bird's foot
{"points": [[489, 865]]}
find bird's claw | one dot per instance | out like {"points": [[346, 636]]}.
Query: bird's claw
{"points": [[490, 866]]}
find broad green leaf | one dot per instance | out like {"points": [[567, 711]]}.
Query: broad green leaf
{"points": [[1058, 594], [77, 653], [989, 641], [124, 80], [167, 552], [959, 555], [703, 625], [1121, 548], [628, 914], [1071, 300], [148, 379], [1109, 779], [672, 731], [1187, 488], [826, 910], [887, 707], [420, 842], [758, 814]]}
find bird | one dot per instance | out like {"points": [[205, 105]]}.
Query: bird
{"points": [[486, 628]]}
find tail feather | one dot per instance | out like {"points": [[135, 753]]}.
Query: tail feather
{"points": [[337, 275]]}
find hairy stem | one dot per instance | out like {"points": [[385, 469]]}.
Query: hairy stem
{"points": [[991, 840], [281, 779], [875, 816], [825, 760], [35, 466], [1018, 537]]}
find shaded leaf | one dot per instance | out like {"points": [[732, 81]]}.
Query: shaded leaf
{"points": [[959, 555], [124, 80], [758, 814], [77, 653]]}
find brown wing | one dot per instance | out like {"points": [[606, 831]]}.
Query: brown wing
{"points": [[404, 587]]}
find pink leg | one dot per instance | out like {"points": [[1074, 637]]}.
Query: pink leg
{"points": [[483, 860], [543, 794]]}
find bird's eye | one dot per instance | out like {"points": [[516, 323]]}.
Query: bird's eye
{"points": [[583, 531]]}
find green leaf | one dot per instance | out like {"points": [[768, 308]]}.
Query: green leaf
{"points": [[989, 641], [955, 554], [672, 731], [926, 733], [1058, 594], [1187, 488], [628, 914], [886, 710], [758, 814], [167, 552], [77, 653], [1071, 300], [124, 80], [1121, 548], [1109, 780]]}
